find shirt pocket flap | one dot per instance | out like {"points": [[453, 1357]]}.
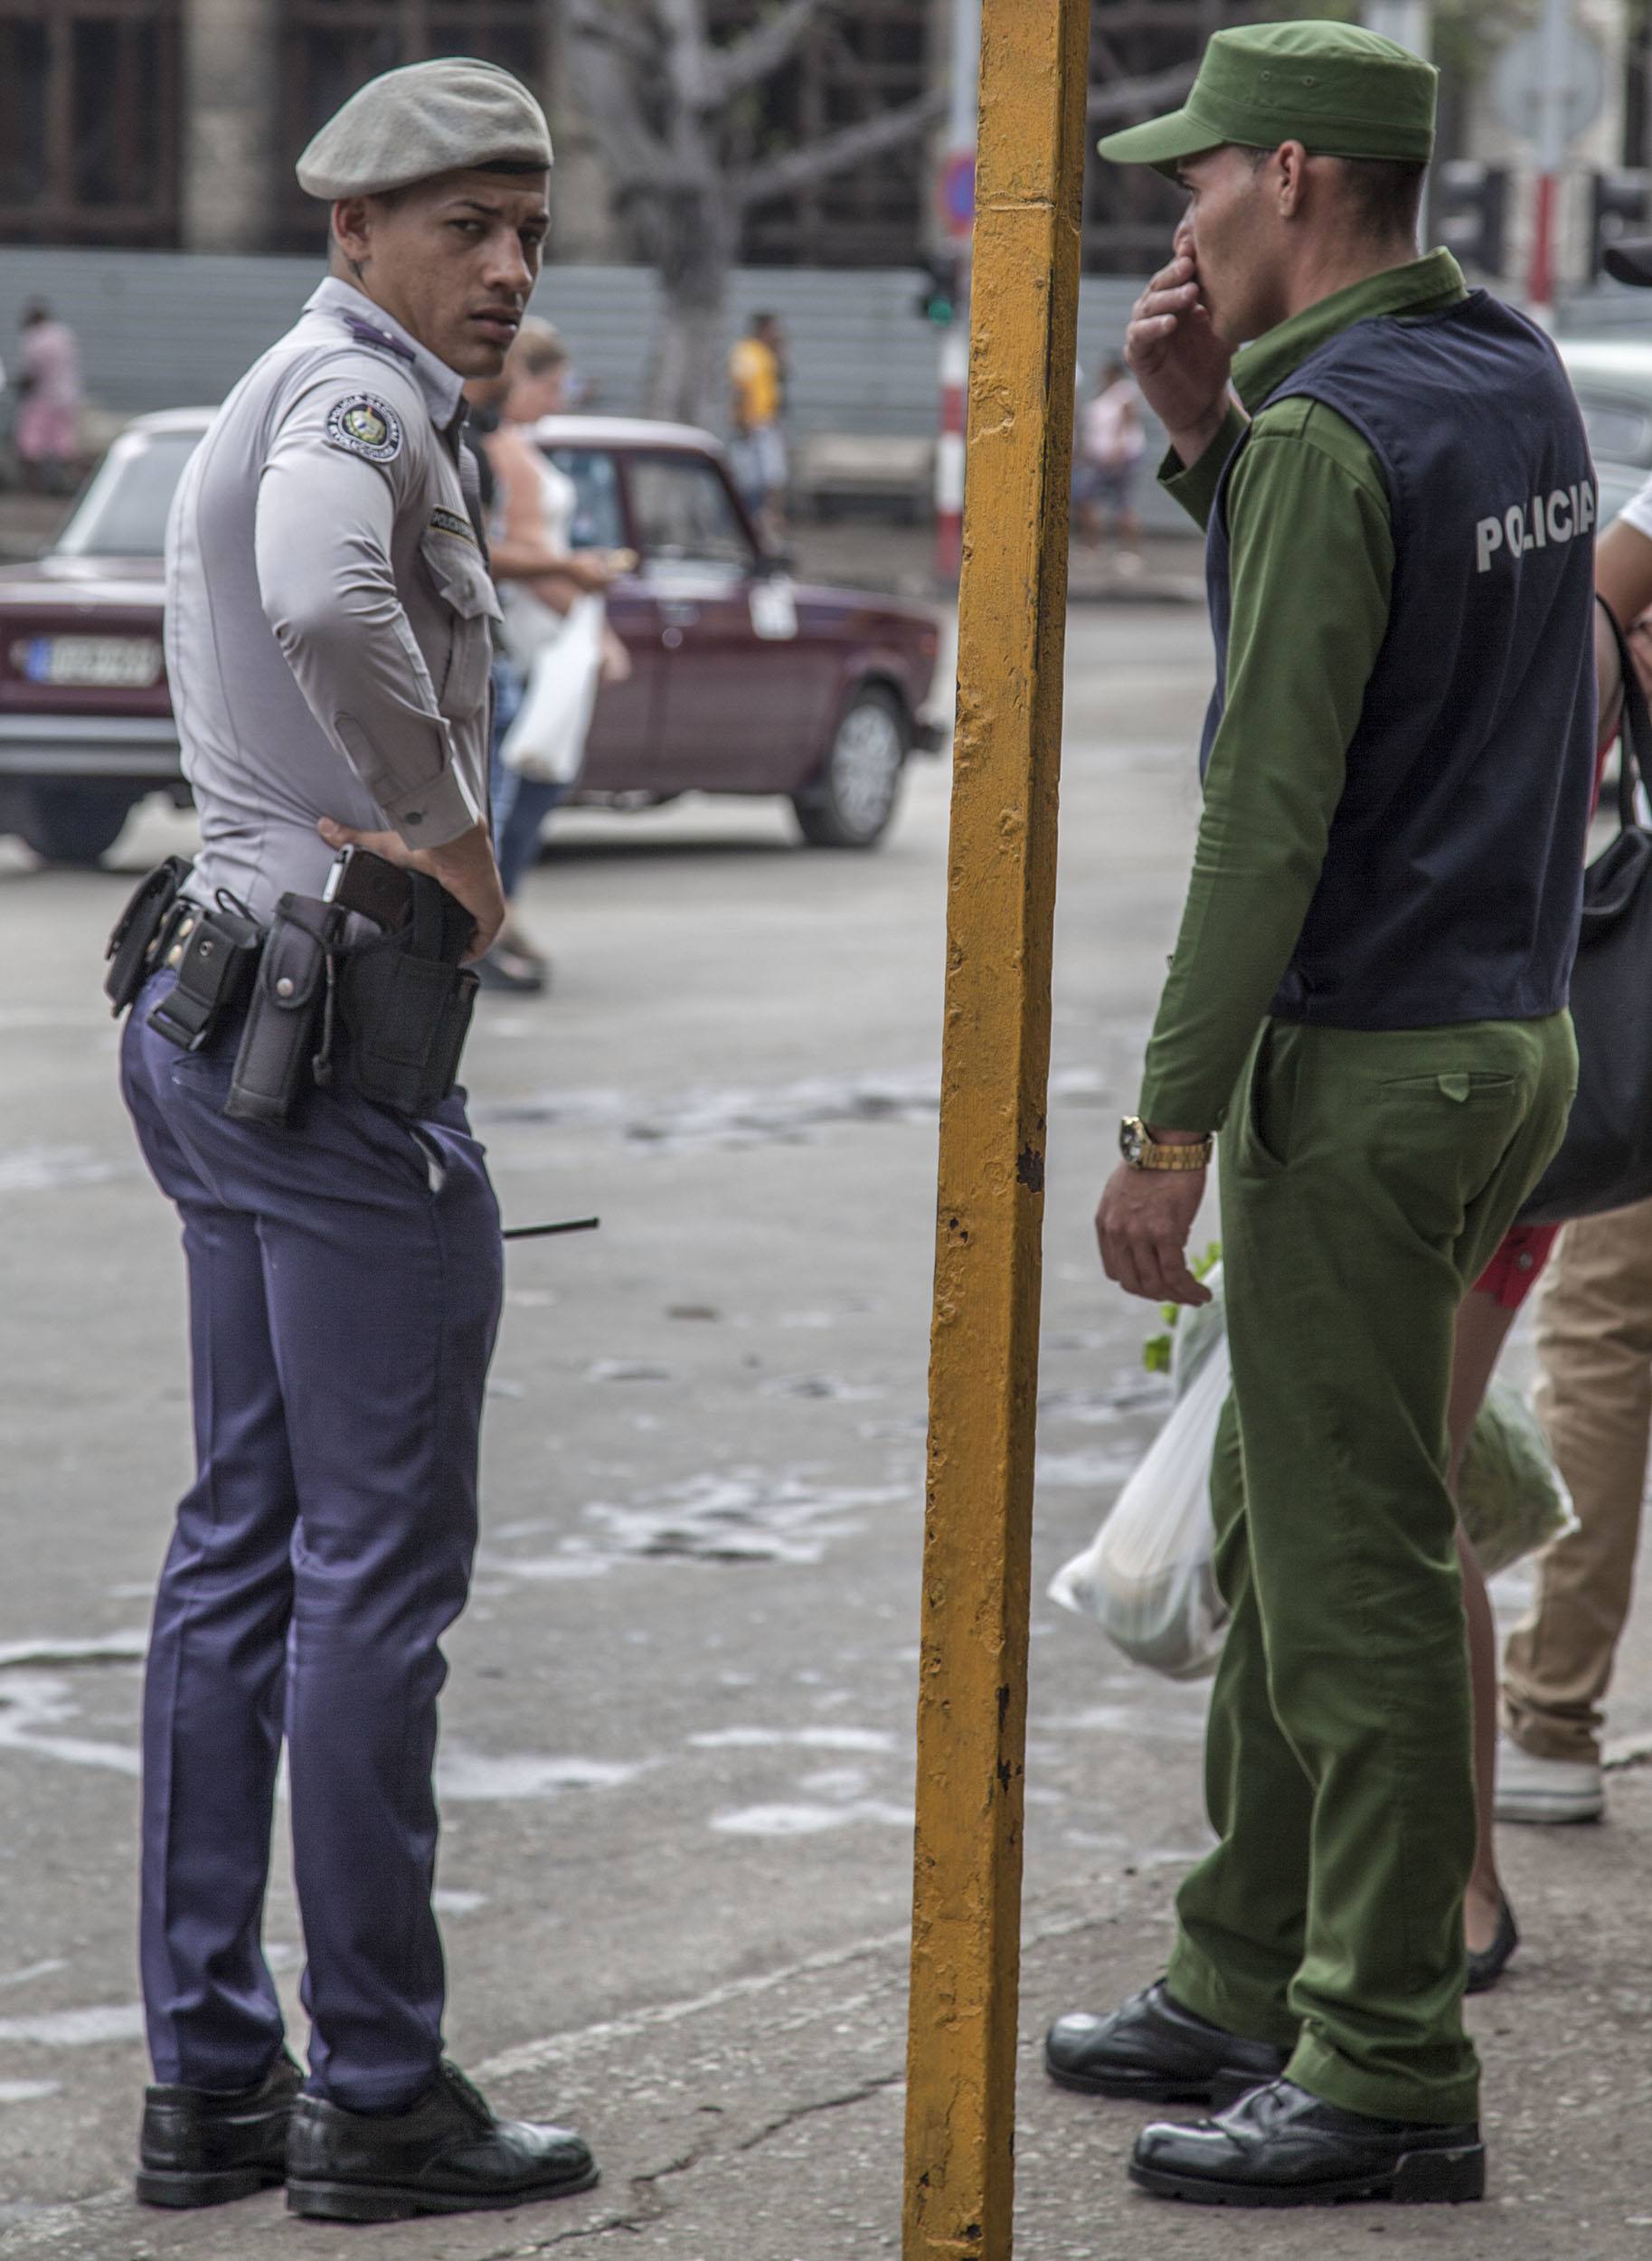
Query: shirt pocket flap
{"points": [[462, 578]]}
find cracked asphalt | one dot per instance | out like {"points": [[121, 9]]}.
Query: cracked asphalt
{"points": [[676, 1758]]}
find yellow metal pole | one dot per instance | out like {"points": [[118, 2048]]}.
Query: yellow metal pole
{"points": [[984, 1368]]}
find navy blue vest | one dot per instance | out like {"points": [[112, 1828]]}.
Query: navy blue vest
{"points": [[1452, 880]]}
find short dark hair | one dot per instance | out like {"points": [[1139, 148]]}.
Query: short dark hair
{"points": [[1386, 195]]}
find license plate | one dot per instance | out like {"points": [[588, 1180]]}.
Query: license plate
{"points": [[106, 662]]}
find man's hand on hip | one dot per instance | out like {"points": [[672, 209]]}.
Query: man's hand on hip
{"points": [[1142, 1226], [1176, 357], [466, 868]]}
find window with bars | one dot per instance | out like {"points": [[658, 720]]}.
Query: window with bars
{"points": [[869, 57], [1129, 210], [88, 121], [331, 47]]}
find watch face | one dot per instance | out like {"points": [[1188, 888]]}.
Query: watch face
{"points": [[1131, 1139]]}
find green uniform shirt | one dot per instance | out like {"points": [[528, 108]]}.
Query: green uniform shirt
{"points": [[1312, 563]]}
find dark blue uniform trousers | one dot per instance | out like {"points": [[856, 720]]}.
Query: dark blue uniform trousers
{"points": [[344, 1282]]}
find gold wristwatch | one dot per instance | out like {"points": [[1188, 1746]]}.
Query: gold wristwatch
{"points": [[1142, 1151]]}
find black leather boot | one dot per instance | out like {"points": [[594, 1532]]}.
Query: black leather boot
{"points": [[1157, 2052], [449, 2153], [1280, 2146], [201, 2147]]}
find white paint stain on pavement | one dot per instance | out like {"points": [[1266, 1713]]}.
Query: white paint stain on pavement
{"points": [[739, 1514], [27, 2091], [462, 1774], [800, 1738], [46, 1168], [77, 2028], [32, 1702], [808, 1820]]}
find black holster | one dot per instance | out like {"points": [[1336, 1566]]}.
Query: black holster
{"points": [[287, 1044], [216, 955], [406, 1003], [133, 945]]}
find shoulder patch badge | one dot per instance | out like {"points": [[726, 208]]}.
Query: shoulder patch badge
{"points": [[451, 522], [364, 426]]}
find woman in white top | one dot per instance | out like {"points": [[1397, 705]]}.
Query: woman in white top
{"points": [[557, 614]]}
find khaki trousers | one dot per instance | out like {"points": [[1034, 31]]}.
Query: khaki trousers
{"points": [[1594, 1399]]}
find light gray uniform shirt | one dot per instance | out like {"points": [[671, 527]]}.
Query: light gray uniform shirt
{"points": [[328, 607]]}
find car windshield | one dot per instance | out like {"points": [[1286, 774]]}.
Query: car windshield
{"points": [[684, 514], [123, 513], [597, 521]]}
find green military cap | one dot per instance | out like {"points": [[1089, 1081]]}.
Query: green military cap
{"points": [[1339, 91], [454, 115]]}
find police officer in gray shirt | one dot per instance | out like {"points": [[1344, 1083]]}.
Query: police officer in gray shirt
{"points": [[328, 642]]}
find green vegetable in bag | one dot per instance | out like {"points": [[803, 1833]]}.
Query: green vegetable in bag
{"points": [[1509, 1493]]}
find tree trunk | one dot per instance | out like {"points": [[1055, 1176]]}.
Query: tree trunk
{"points": [[687, 381]]}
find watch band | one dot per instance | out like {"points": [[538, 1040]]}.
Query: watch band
{"points": [[1143, 1151]]}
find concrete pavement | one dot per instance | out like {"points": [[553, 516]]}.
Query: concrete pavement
{"points": [[677, 1750]]}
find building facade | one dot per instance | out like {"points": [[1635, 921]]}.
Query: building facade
{"points": [[169, 124]]}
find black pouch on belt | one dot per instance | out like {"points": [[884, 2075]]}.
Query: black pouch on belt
{"points": [[288, 1037], [138, 932], [216, 954], [406, 1003]]}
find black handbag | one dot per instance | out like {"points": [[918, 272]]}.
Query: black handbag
{"points": [[1605, 1161]]}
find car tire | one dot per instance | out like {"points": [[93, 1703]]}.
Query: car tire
{"points": [[851, 803], [74, 824]]}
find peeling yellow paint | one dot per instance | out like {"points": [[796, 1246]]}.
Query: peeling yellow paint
{"points": [[984, 1365]]}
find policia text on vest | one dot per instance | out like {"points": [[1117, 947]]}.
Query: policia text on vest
{"points": [[1566, 516]]}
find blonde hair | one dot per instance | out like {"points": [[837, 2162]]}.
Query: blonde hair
{"points": [[538, 348]]}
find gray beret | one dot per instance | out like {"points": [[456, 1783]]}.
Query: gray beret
{"points": [[454, 115]]}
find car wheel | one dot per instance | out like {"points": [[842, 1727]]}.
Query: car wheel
{"points": [[851, 802], [74, 824]]}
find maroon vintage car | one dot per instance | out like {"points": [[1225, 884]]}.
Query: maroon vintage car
{"points": [[743, 681]]}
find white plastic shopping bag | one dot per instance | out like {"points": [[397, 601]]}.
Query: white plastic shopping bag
{"points": [[547, 739], [1148, 1580]]}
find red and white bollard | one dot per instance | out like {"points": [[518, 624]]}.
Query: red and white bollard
{"points": [[950, 452]]}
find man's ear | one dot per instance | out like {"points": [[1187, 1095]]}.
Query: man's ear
{"points": [[1291, 158], [353, 228]]}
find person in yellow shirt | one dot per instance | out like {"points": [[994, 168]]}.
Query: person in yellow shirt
{"points": [[757, 390]]}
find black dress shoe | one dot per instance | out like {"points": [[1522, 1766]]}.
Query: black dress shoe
{"points": [[1280, 2146], [1488, 1964], [448, 2153], [201, 2147], [1157, 2051]]}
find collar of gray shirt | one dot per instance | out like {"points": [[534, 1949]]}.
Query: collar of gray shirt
{"points": [[367, 322]]}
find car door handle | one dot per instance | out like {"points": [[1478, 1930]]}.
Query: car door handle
{"points": [[679, 615]]}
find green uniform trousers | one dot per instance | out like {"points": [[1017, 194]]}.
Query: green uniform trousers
{"points": [[1366, 1178]]}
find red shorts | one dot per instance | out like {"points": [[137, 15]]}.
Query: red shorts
{"points": [[1512, 1273]]}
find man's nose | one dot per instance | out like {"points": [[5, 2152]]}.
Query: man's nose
{"points": [[509, 267]]}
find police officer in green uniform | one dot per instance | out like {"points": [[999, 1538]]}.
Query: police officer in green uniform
{"points": [[1368, 1000]]}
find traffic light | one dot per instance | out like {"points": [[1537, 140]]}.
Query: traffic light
{"points": [[1470, 212], [938, 294], [1622, 207]]}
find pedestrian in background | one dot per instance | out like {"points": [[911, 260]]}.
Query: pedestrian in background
{"points": [[1593, 1398], [757, 400], [46, 433], [1111, 447], [327, 641], [555, 621], [1368, 998]]}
